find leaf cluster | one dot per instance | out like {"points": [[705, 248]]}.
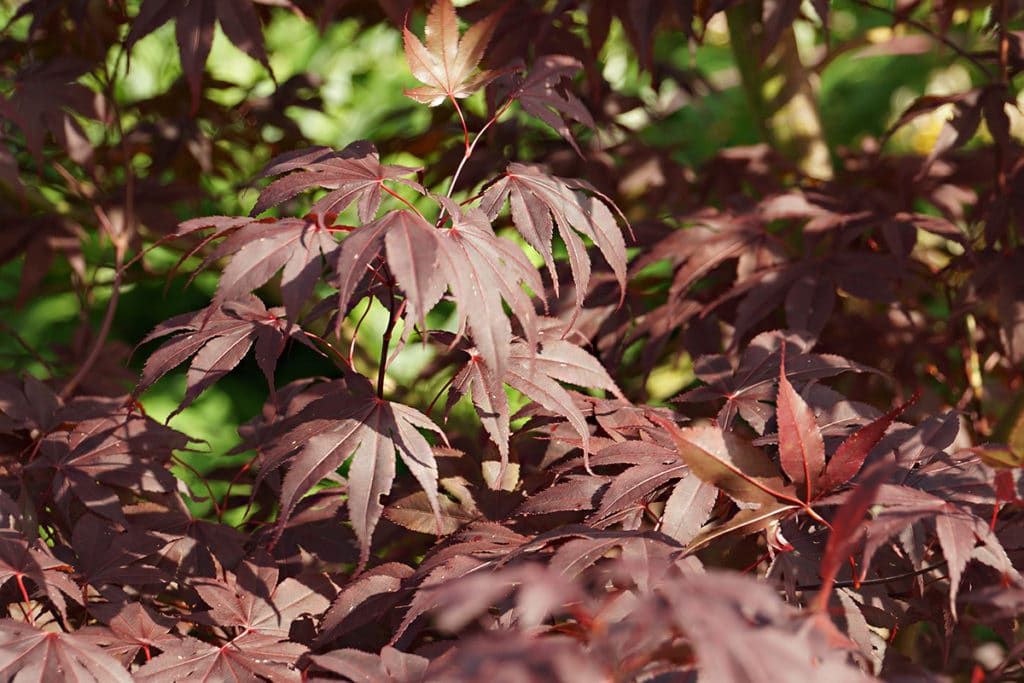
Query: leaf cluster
{"points": [[830, 489]]}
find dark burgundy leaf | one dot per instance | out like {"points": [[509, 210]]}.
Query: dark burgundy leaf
{"points": [[370, 432], [98, 459], [28, 654], [849, 457], [260, 249], [218, 338], [632, 489], [195, 26], [43, 100], [248, 657], [846, 531], [801, 447], [730, 463], [364, 599], [391, 666], [748, 387], [543, 94], [687, 509], [130, 627], [252, 599], [535, 198], [577, 492], [352, 173]]}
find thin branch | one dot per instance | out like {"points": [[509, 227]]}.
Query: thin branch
{"points": [[852, 583], [101, 336], [386, 341], [945, 40], [470, 147]]}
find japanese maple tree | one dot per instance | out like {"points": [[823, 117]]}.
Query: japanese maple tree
{"points": [[581, 369]]}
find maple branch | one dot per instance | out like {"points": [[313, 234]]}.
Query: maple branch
{"points": [[234, 480], [462, 120], [120, 239], [853, 583], [27, 609], [402, 199], [101, 336], [199, 477], [334, 351], [386, 339], [438, 395], [945, 40], [470, 147], [22, 342]]}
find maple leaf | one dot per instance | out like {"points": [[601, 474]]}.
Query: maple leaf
{"points": [[801, 446], [749, 388], [390, 666], [541, 94], [412, 253], [218, 337], [416, 513], [363, 599], [352, 173], [687, 509], [187, 547], [195, 23], [43, 99], [26, 653], [481, 269], [99, 459], [252, 599], [535, 198], [447, 61], [261, 248], [535, 373], [130, 627], [750, 611], [248, 657], [20, 560], [731, 464], [122, 562], [369, 431], [767, 492], [518, 657]]}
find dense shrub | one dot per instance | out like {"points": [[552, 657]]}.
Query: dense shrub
{"points": [[645, 341]]}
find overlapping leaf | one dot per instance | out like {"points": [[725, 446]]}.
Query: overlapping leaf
{"points": [[99, 459], [253, 599], [261, 248], [537, 374], [353, 173], [480, 269], [195, 25], [535, 198], [801, 447], [43, 100], [129, 628], [248, 657], [543, 94], [217, 338], [27, 653], [749, 388], [368, 430], [751, 478]]}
